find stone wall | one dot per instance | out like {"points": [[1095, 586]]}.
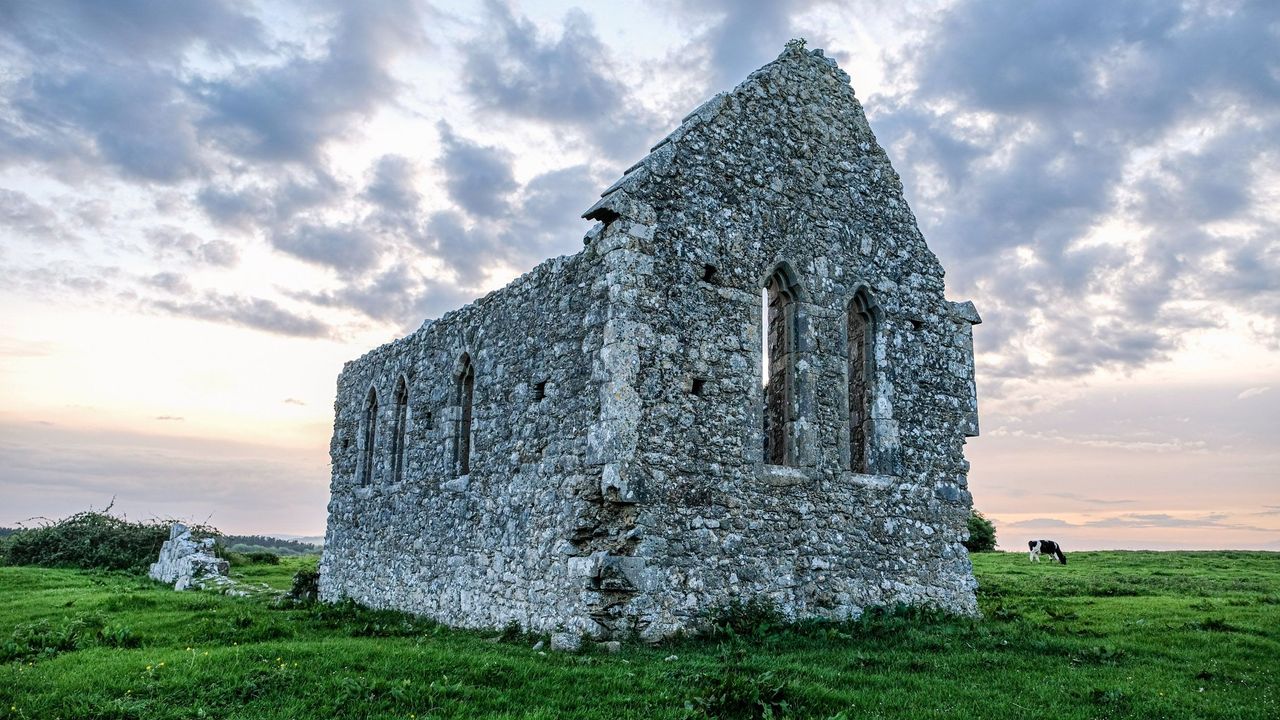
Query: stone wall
{"points": [[481, 549], [648, 500]]}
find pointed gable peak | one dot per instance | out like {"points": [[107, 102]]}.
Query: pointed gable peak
{"points": [[796, 63]]}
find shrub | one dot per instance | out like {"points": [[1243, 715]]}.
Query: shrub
{"points": [[982, 533], [92, 540], [306, 586], [262, 558]]}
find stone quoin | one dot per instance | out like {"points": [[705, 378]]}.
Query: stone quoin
{"points": [[747, 384]]}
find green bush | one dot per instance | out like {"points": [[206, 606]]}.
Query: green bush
{"points": [[92, 540], [982, 533], [306, 587], [262, 558]]}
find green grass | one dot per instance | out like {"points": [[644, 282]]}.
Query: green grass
{"points": [[1113, 634]]}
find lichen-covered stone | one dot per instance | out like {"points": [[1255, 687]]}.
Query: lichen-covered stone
{"points": [[616, 463]]}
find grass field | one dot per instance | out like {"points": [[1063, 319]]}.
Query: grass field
{"points": [[1113, 634]]}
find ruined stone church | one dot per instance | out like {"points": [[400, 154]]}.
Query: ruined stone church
{"points": [[747, 384]]}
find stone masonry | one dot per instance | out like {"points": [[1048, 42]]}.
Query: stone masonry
{"points": [[747, 384]]}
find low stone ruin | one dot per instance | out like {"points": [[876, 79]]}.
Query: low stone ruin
{"points": [[189, 563]]}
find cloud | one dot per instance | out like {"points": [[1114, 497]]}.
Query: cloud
{"points": [[170, 418], [478, 178], [293, 401], [540, 220], [345, 248], [1164, 520], [95, 86], [1252, 392], [1066, 161], [1090, 500], [1141, 521], [29, 219], [170, 282], [1045, 523], [255, 313], [287, 112], [173, 242], [569, 81], [741, 35]]}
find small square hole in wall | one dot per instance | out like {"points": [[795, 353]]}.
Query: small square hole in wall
{"points": [[917, 324], [708, 273], [698, 385], [540, 391]]}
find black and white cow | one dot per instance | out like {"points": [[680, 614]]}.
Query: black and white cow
{"points": [[1048, 547]]}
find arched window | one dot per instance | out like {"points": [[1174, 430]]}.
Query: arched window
{"points": [[402, 421], [861, 377], [778, 300], [466, 385], [370, 437]]}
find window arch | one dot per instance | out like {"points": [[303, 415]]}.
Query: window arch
{"points": [[778, 351], [370, 437], [466, 387], [401, 427], [861, 334]]}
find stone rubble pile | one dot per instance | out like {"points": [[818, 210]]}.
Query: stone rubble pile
{"points": [[186, 562]]}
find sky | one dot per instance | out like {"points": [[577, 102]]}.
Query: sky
{"points": [[207, 206]]}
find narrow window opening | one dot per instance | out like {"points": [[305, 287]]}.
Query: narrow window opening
{"points": [[778, 315], [398, 439], [697, 386], [540, 391], [428, 421], [466, 387], [370, 437], [708, 272], [861, 330]]}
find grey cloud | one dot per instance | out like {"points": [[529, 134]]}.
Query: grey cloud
{"points": [[742, 35], [170, 282], [29, 219], [569, 81], [345, 248], [478, 178], [1164, 520], [1069, 95], [169, 241], [149, 29], [1089, 500], [391, 187], [287, 112], [273, 201], [398, 295], [255, 313], [1046, 523], [542, 220], [94, 82], [132, 117]]}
